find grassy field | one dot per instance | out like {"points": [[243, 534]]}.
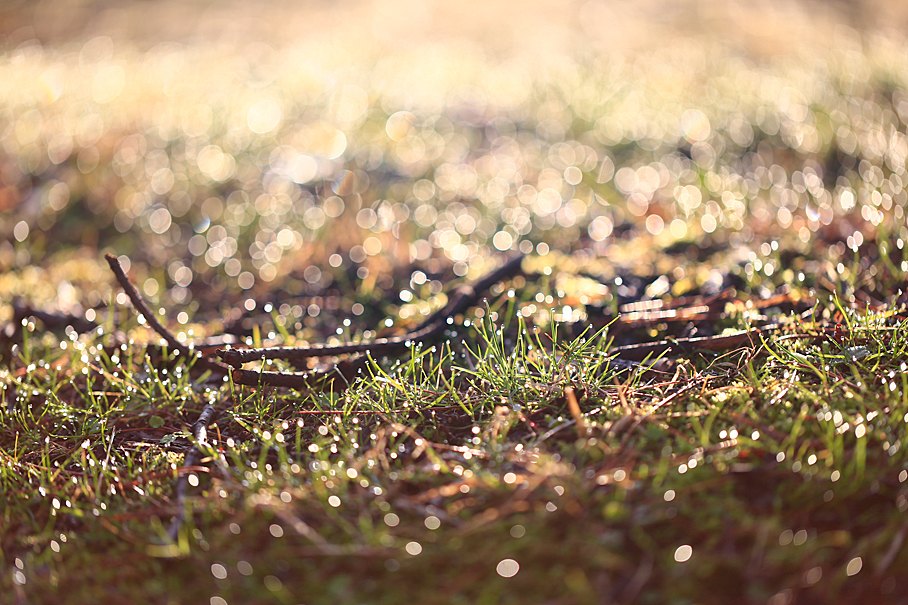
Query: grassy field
{"points": [[692, 389]]}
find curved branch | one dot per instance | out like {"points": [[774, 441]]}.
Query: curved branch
{"points": [[461, 300], [142, 308]]}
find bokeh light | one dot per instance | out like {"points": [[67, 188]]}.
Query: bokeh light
{"points": [[507, 568], [224, 168], [683, 553]]}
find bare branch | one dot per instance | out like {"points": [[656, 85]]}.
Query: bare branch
{"points": [[461, 300], [139, 304]]}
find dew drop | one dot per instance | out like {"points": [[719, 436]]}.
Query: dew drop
{"points": [[683, 553], [507, 568]]}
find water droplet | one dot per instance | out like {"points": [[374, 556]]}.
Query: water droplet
{"points": [[854, 566], [683, 553], [507, 568], [413, 548], [218, 571]]}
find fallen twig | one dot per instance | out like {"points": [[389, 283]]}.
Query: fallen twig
{"points": [[338, 377], [139, 304], [193, 457], [679, 346], [462, 299], [51, 321]]}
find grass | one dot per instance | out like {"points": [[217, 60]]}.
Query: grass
{"points": [[773, 472], [522, 458]]}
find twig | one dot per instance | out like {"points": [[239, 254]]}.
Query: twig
{"points": [[344, 372], [291, 380], [462, 299], [723, 342], [52, 321], [193, 458], [688, 345], [139, 304], [337, 412]]}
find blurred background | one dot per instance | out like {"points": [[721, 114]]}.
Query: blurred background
{"points": [[499, 28], [226, 149]]}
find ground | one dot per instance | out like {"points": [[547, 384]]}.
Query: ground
{"points": [[631, 278]]}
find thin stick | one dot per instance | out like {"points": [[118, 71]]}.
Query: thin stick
{"points": [[337, 377], [139, 304], [462, 299], [687, 345], [284, 379], [52, 321], [193, 458]]}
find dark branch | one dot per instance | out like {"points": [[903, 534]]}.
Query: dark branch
{"points": [[52, 321], [337, 378], [679, 346], [139, 304], [193, 458], [461, 300]]}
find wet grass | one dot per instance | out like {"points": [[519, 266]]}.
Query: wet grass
{"points": [[521, 458], [460, 472]]}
